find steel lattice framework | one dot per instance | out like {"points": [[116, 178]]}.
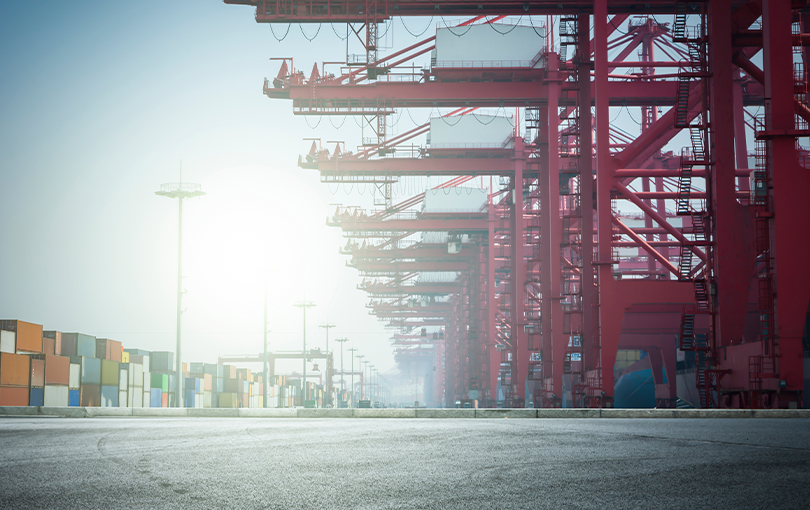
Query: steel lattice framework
{"points": [[540, 291]]}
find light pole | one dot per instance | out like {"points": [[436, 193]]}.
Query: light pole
{"points": [[362, 375], [304, 305], [372, 389], [179, 190], [352, 350], [265, 374], [365, 378], [342, 381], [327, 327]]}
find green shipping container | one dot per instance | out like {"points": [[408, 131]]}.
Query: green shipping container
{"points": [[109, 373], [228, 400], [161, 381]]}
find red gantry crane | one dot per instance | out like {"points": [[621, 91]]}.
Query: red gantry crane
{"points": [[544, 290]]}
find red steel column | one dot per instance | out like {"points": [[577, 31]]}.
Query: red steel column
{"points": [[590, 338], [732, 228], [551, 244], [611, 311], [740, 148], [520, 346], [492, 307], [791, 223]]}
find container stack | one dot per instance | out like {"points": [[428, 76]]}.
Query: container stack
{"points": [[37, 380], [57, 380], [229, 396], [162, 370], [74, 382], [134, 380], [90, 380], [140, 357], [15, 375], [55, 369]]}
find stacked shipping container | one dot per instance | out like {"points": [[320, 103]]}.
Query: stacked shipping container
{"points": [[51, 368]]}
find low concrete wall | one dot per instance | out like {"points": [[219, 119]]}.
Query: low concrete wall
{"points": [[110, 412]]}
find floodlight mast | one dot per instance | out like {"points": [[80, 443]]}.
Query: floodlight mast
{"points": [[304, 305], [179, 190]]}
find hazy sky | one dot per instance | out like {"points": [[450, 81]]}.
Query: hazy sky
{"points": [[101, 101]]}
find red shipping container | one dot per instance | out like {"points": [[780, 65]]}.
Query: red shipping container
{"points": [[48, 345], [29, 336], [57, 342], [90, 396], [37, 373], [164, 401], [13, 396], [15, 370], [57, 370]]}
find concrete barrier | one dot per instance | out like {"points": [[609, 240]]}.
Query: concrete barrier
{"points": [[505, 413], [324, 413], [106, 412], [637, 413], [268, 413], [63, 412], [212, 412], [445, 413], [383, 413], [781, 413], [568, 413], [712, 413], [18, 411], [162, 412]]}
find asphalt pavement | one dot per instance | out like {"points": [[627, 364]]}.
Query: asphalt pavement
{"points": [[134, 463]]}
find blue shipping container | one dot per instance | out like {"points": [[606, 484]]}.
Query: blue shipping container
{"points": [[91, 371], [220, 386], [156, 397], [73, 398], [189, 399], [109, 396], [86, 346], [37, 397]]}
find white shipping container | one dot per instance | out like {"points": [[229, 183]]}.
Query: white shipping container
{"points": [[147, 398], [198, 400], [8, 341], [74, 382], [56, 396], [206, 399], [123, 380], [137, 370], [488, 45], [122, 398], [137, 399]]}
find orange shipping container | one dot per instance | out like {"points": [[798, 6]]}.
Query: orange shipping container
{"points": [[29, 336], [13, 396], [48, 345], [57, 370], [14, 370], [38, 373], [116, 348], [209, 379]]}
